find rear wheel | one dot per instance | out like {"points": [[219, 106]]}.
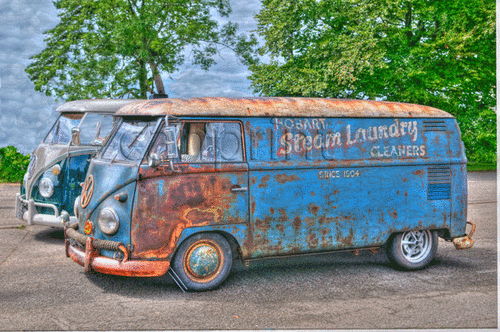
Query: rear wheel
{"points": [[203, 261], [413, 250]]}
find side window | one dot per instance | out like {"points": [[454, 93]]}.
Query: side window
{"points": [[197, 143], [204, 142], [228, 142], [95, 128]]}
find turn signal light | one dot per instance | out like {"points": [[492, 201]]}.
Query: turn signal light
{"points": [[89, 227]]}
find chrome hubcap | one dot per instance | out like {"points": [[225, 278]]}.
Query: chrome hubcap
{"points": [[416, 245]]}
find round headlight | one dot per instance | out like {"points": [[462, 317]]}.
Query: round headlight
{"points": [[46, 187], [108, 221], [76, 206]]}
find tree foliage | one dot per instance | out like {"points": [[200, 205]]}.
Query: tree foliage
{"points": [[13, 164], [118, 48], [436, 53]]}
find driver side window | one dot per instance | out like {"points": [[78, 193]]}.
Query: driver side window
{"points": [[197, 143], [211, 141], [200, 142]]}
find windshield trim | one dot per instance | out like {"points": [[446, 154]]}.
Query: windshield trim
{"points": [[57, 123], [156, 122]]}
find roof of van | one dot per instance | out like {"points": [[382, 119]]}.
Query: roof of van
{"points": [[96, 105], [279, 107]]}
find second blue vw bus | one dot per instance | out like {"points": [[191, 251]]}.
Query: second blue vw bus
{"points": [[59, 164]]}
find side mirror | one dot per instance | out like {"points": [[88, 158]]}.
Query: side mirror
{"points": [[154, 160], [75, 136]]}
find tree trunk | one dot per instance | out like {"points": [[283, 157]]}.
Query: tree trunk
{"points": [[160, 89], [143, 79]]}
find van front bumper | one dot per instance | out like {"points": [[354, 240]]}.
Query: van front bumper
{"points": [[26, 210], [91, 260]]}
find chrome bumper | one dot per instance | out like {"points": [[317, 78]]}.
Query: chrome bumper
{"points": [[26, 210], [91, 260]]}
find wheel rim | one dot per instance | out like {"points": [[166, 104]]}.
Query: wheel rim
{"points": [[416, 245], [203, 261]]}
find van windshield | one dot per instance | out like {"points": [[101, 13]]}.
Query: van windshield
{"points": [[61, 131], [130, 141]]}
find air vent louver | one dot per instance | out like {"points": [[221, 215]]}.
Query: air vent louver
{"points": [[434, 126], [439, 183]]}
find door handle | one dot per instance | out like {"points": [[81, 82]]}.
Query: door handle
{"points": [[238, 189]]}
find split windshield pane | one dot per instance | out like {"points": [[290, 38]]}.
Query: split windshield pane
{"points": [[61, 131], [130, 141]]}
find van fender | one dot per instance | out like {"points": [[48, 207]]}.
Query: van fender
{"points": [[235, 234]]}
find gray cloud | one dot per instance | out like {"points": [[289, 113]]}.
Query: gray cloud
{"points": [[26, 115]]}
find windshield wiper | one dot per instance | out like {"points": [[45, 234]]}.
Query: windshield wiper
{"points": [[137, 137]]}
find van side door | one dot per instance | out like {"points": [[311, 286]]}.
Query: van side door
{"points": [[202, 184]]}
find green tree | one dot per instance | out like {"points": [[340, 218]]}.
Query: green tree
{"points": [[436, 53], [13, 164], [316, 48], [118, 48]]}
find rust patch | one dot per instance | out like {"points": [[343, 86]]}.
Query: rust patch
{"points": [[283, 216], [394, 214], [419, 172], [263, 225], [296, 223], [346, 241], [199, 215], [263, 183], [195, 199], [278, 107], [314, 209], [259, 137], [309, 221], [324, 220], [312, 241], [283, 178]]}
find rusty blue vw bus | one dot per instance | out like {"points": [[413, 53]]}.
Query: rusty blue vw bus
{"points": [[185, 186], [60, 162]]}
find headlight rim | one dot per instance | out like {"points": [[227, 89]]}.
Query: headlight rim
{"points": [[104, 227], [46, 187]]}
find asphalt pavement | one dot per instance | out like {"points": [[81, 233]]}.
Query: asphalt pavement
{"points": [[42, 289]]}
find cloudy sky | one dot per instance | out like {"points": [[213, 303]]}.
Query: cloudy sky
{"points": [[26, 115]]}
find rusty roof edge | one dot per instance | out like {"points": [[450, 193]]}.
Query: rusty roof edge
{"points": [[280, 107], [96, 105]]}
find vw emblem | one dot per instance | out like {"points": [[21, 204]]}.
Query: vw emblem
{"points": [[87, 191]]}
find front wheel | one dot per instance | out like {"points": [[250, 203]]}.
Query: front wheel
{"points": [[203, 261], [413, 250]]}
